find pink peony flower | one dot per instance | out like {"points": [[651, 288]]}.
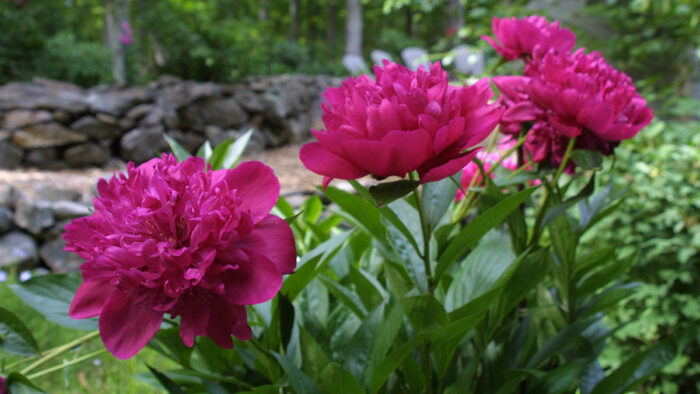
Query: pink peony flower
{"points": [[529, 37], [404, 121], [127, 34], [571, 95], [3, 388], [471, 174], [173, 238]]}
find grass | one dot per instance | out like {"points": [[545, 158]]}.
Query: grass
{"points": [[103, 374]]}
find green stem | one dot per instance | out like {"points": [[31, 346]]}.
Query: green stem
{"points": [[426, 242], [58, 351], [67, 364], [507, 153], [564, 161]]}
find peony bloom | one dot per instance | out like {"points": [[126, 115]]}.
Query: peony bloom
{"points": [[529, 37], [471, 174], [173, 238], [571, 95], [403, 121], [3, 388], [127, 34]]}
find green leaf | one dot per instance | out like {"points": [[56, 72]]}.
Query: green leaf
{"points": [[480, 270], [590, 376], [205, 151], [393, 360], [285, 309], [178, 150], [361, 212], [527, 275], [285, 208], [446, 340], [587, 159], [608, 299], [477, 228], [637, 369], [51, 295], [168, 343], [476, 306], [384, 338], [366, 287], [217, 156], [384, 193], [604, 275], [15, 337], [19, 384], [300, 382], [314, 359], [424, 312], [436, 197], [344, 295], [336, 380], [167, 383], [235, 150], [559, 380], [312, 208], [558, 342]]}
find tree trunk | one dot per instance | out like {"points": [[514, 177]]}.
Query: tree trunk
{"points": [[115, 14], [353, 32], [263, 13], [456, 16], [294, 20]]}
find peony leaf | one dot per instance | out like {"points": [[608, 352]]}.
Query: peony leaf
{"points": [[51, 295], [19, 384], [587, 159], [300, 382], [15, 337], [178, 150], [437, 197], [384, 193]]}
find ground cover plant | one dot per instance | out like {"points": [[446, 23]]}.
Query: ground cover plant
{"points": [[465, 268]]}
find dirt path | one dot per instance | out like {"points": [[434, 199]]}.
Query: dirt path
{"points": [[294, 178]]}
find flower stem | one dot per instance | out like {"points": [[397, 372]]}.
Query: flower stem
{"points": [[507, 153], [564, 161], [426, 241], [66, 364], [53, 353]]}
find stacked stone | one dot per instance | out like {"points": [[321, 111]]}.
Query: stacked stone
{"points": [[49, 124]]}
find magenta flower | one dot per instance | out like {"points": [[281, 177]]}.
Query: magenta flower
{"points": [[127, 34], [529, 37], [471, 174], [404, 121], [571, 95], [3, 388], [173, 238]]}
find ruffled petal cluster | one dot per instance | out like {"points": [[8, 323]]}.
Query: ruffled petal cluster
{"points": [[529, 37], [566, 95], [174, 238], [402, 121]]}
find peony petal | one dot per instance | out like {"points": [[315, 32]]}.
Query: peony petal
{"points": [[320, 160], [377, 158], [89, 299], [226, 319], [256, 280], [126, 327], [272, 238], [523, 111], [194, 317], [596, 115], [256, 185], [447, 168]]}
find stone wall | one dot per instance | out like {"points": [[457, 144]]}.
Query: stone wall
{"points": [[49, 124]]}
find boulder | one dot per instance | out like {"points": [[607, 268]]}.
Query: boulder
{"points": [[189, 141], [10, 154], [5, 219], [8, 195], [32, 217], [22, 95], [23, 117], [18, 250], [66, 209], [113, 101], [58, 259], [96, 129], [177, 95], [139, 111], [85, 155], [142, 144], [249, 100], [212, 111], [41, 157], [48, 193], [45, 135]]}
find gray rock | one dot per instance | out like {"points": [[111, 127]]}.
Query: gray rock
{"points": [[189, 141], [48, 193], [5, 219], [10, 154], [139, 111], [45, 135], [178, 95], [222, 112], [85, 155], [63, 97], [58, 259], [57, 230], [22, 117], [61, 116], [33, 218], [8, 195], [142, 144], [153, 118], [19, 250], [116, 101], [299, 128], [41, 157], [215, 134], [249, 100], [277, 106], [66, 209], [95, 128]]}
